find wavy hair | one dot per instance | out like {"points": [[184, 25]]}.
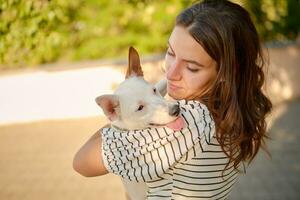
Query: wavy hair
{"points": [[236, 100]]}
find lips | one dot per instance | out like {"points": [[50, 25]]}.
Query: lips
{"points": [[172, 86]]}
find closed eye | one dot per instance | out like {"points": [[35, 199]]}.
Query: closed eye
{"points": [[170, 53], [192, 69]]}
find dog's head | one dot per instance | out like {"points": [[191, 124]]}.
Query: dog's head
{"points": [[136, 104]]}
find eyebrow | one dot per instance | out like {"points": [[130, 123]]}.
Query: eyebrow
{"points": [[189, 61]]}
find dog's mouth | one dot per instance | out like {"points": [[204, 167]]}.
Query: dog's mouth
{"points": [[153, 124], [175, 125]]}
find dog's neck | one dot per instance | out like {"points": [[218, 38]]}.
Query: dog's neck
{"points": [[118, 128]]}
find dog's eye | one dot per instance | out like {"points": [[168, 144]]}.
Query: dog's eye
{"points": [[140, 108], [154, 90]]}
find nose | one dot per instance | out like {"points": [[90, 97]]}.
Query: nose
{"points": [[174, 110], [173, 71]]}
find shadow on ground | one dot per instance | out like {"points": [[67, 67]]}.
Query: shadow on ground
{"points": [[277, 178]]}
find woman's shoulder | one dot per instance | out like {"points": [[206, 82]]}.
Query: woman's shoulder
{"points": [[193, 104], [199, 111]]}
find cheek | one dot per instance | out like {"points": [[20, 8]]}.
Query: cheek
{"points": [[197, 82], [193, 86]]}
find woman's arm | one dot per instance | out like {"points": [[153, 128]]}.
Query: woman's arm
{"points": [[88, 160], [146, 155]]}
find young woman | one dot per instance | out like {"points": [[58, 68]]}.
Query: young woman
{"points": [[214, 56]]}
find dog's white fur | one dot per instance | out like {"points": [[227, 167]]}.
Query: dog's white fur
{"points": [[136, 104]]}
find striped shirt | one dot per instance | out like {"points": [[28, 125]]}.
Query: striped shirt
{"points": [[186, 164]]}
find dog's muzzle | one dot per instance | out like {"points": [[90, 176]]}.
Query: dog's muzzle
{"points": [[174, 110]]}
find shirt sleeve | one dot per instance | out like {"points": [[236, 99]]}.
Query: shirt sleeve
{"points": [[144, 155]]}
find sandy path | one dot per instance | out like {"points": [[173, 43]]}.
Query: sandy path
{"points": [[36, 162]]}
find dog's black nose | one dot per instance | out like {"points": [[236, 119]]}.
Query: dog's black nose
{"points": [[174, 110]]}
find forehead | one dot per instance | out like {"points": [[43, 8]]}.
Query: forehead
{"points": [[186, 47]]}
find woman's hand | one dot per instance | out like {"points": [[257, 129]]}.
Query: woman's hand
{"points": [[88, 160]]}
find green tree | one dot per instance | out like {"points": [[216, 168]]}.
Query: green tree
{"points": [[39, 31]]}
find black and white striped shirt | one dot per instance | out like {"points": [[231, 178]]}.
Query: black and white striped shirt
{"points": [[186, 164]]}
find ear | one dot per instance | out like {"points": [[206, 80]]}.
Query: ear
{"points": [[134, 64], [161, 86], [109, 105]]}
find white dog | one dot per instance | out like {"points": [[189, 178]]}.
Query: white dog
{"points": [[136, 104]]}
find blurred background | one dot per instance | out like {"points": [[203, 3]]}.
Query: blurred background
{"points": [[56, 56], [34, 32]]}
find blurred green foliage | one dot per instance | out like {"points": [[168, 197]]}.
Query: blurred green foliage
{"points": [[40, 31], [275, 19]]}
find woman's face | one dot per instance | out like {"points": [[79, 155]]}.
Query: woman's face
{"points": [[190, 70]]}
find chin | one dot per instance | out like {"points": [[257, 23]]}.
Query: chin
{"points": [[176, 96]]}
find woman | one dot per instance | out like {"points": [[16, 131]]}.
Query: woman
{"points": [[214, 56]]}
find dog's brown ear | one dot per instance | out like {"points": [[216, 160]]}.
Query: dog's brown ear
{"points": [[109, 105], [134, 64]]}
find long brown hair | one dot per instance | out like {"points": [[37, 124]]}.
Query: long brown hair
{"points": [[236, 101]]}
